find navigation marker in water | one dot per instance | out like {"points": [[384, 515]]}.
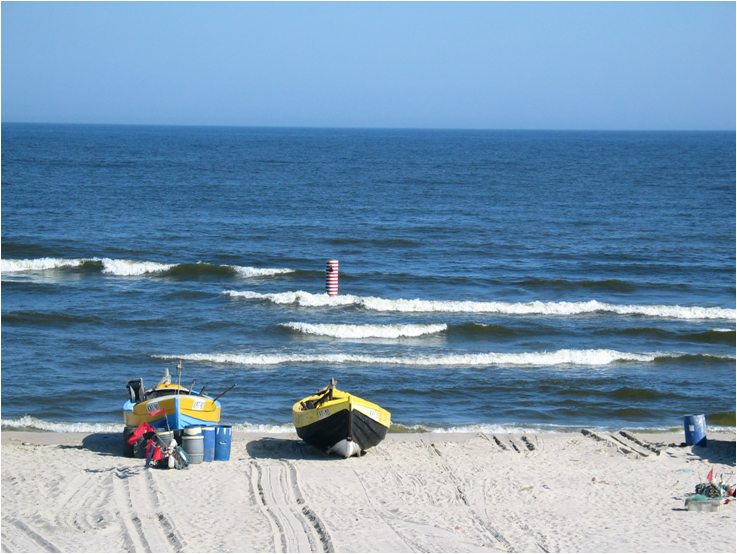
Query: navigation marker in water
{"points": [[331, 277]]}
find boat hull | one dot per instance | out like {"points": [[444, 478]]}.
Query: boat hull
{"points": [[180, 411], [344, 418], [328, 432]]}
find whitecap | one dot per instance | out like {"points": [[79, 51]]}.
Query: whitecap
{"points": [[366, 331], [560, 357], [29, 422], [373, 303], [132, 268], [39, 264], [258, 271], [261, 428]]}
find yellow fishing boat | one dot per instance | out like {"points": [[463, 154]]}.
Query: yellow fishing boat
{"points": [[169, 405], [339, 422]]}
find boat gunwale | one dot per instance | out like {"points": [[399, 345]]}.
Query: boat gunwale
{"points": [[339, 396], [129, 406], [304, 417]]}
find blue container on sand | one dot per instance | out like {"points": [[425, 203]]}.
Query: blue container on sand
{"points": [[223, 437], [208, 434], [695, 427]]}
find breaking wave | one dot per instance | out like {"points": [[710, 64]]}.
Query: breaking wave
{"points": [[366, 331], [543, 428], [130, 268], [713, 336], [486, 429], [560, 357], [307, 299], [258, 271], [263, 428], [29, 423], [40, 264], [127, 268]]}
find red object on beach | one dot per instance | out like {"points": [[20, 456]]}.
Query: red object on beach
{"points": [[331, 277], [162, 411], [139, 432], [157, 454], [711, 475]]}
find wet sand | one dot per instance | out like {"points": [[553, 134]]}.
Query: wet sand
{"points": [[560, 492]]}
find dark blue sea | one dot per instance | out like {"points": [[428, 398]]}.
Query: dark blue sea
{"points": [[488, 281]]}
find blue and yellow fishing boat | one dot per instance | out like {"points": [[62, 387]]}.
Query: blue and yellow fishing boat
{"points": [[169, 405]]}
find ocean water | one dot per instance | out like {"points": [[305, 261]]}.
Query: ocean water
{"points": [[489, 280]]}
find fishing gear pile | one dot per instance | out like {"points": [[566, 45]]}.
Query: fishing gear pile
{"points": [[711, 496], [165, 455]]}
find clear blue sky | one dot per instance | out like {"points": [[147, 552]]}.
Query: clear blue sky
{"points": [[475, 65]]}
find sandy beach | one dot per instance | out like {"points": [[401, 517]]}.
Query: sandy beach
{"points": [[562, 492]]}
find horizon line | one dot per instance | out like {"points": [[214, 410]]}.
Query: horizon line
{"points": [[346, 128]]}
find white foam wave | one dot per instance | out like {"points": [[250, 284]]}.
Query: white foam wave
{"points": [[288, 428], [560, 357], [32, 423], [263, 428], [259, 272], [114, 267], [298, 297], [39, 264], [132, 268], [490, 429], [123, 267], [366, 331], [28, 423], [545, 428], [307, 299]]}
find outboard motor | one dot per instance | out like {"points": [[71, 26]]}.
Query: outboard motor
{"points": [[136, 390]]}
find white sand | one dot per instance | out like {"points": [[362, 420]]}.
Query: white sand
{"points": [[73, 492]]}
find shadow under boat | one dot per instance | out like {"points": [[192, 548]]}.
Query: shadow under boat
{"points": [[270, 448], [103, 444]]}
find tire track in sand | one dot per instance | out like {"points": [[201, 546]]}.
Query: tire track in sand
{"points": [[485, 529], [517, 536], [81, 501], [411, 535], [295, 526], [145, 526], [19, 537]]}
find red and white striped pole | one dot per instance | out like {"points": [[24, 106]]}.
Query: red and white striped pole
{"points": [[331, 277]]}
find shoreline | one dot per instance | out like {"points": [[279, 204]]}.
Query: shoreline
{"points": [[59, 438], [439, 492], [31, 424]]}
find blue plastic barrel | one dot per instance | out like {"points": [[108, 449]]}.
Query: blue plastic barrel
{"points": [[208, 434], [223, 436], [695, 427]]}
